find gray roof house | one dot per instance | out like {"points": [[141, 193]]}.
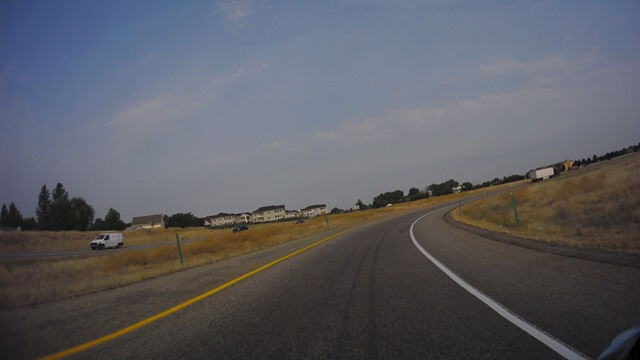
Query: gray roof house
{"points": [[148, 222]]}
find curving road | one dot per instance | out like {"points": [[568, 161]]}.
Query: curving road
{"points": [[367, 293]]}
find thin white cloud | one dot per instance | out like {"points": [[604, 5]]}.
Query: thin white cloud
{"points": [[213, 161], [359, 132], [144, 119], [161, 109], [238, 11], [545, 70], [274, 145], [494, 111]]}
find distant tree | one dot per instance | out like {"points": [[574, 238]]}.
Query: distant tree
{"points": [[4, 216], [42, 211], [182, 220], [59, 192], [81, 214], [112, 220], [361, 205], [594, 159], [15, 217], [29, 224], [59, 211], [414, 194], [466, 186], [384, 199], [98, 225], [512, 178], [336, 210], [443, 188]]}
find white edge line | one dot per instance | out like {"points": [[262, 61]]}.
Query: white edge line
{"points": [[554, 344]]}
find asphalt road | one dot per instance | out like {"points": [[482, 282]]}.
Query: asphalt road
{"points": [[368, 293]]}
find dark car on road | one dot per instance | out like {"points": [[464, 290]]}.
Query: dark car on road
{"points": [[240, 228]]}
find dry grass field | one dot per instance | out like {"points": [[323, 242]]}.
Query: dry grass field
{"points": [[593, 207], [26, 282]]}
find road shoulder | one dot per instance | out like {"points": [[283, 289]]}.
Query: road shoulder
{"points": [[603, 256]]}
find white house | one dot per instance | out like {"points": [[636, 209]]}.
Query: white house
{"points": [[243, 218], [292, 214], [221, 219], [268, 213], [314, 210]]}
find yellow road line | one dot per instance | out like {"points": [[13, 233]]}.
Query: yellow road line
{"points": [[165, 313]]}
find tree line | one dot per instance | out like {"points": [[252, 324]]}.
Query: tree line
{"points": [[58, 211], [608, 156], [443, 188]]}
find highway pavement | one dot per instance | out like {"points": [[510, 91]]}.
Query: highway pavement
{"points": [[365, 294]]}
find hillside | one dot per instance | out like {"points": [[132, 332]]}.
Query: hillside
{"points": [[594, 207]]}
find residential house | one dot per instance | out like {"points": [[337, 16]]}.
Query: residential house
{"points": [[314, 210], [268, 213], [221, 219], [292, 214], [148, 222], [243, 218]]}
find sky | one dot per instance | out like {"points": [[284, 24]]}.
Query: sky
{"points": [[225, 106]]}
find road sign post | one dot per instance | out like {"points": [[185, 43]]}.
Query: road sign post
{"points": [[179, 251], [326, 218], [515, 209]]}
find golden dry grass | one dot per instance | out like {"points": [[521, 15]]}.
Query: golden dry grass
{"points": [[594, 207], [25, 282]]}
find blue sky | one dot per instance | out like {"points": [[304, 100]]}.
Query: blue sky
{"points": [[209, 106]]}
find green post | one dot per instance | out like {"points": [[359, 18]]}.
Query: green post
{"points": [[515, 210], [179, 251], [326, 218]]}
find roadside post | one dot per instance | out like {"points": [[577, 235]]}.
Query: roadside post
{"points": [[326, 218], [179, 251], [459, 206], [515, 210]]}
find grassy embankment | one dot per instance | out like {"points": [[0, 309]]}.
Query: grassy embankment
{"points": [[594, 207], [25, 282]]}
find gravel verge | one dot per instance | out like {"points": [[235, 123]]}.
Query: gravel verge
{"points": [[603, 256]]}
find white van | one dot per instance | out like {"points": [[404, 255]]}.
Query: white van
{"points": [[109, 240]]}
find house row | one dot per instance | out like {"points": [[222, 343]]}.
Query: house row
{"points": [[265, 214]]}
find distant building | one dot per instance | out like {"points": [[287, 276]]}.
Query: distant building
{"points": [[457, 189], [355, 207], [148, 222], [292, 214], [221, 219], [314, 210], [568, 165], [243, 218], [268, 213]]}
